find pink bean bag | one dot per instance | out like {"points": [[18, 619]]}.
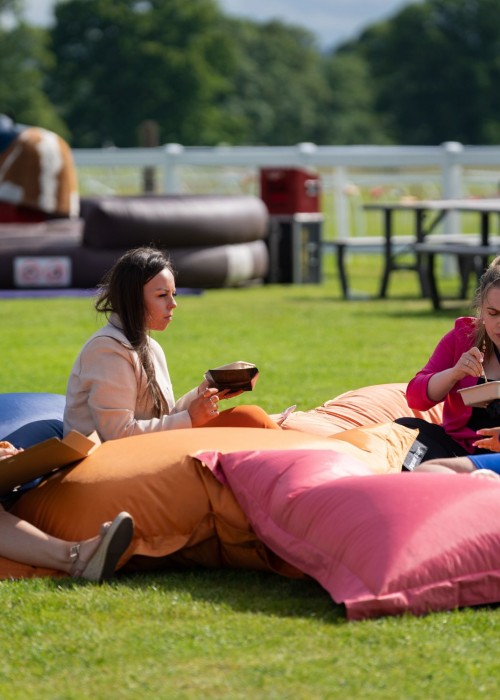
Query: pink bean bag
{"points": [[381, 545]]}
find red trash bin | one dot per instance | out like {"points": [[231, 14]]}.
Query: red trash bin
{"points": [[287, 191]]}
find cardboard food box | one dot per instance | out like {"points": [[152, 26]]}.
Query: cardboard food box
{"points": [[481, 394], [44, 458]]}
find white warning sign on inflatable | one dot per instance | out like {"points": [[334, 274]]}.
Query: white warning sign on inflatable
{"points": [[43, 271]]}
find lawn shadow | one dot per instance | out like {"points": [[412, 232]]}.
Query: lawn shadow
{"points": [[241, 590], [450, 304], [420, 313]]}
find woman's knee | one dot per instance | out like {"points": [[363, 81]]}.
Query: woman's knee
{"points": [[460, 465], [244, 417]]}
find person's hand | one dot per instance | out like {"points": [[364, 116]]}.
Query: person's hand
{"points": [[7, 449], [228, 394], [490, 441], [204, 385], [470, 364], [223, 394], [204, 407]]}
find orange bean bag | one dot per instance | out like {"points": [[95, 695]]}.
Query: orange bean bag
{"points": [[182, 512]]}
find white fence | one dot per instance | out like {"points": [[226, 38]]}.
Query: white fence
{"points": [[447, 169]]}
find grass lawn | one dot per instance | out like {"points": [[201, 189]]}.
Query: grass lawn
{"points": [[234, 634]]}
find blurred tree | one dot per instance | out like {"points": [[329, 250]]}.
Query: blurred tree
{"points": [[285, 91], [427, 75], [278, 86], [24, 56], [12, 7], [347, 115], [120, 62], [436, 70], [204, 78]]}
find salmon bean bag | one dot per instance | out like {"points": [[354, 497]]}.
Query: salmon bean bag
{"points": [[364, 406]]}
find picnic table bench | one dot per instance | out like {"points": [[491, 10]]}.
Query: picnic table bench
{"points": [[471, 257], [467, 248], [341, 247], [471, 250]]}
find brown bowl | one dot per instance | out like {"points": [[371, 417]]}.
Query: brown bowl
{"points": [[237, 376]]}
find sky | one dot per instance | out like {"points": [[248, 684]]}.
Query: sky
{"points": [[332, 21]]}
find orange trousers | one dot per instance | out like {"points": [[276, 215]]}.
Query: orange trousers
{"points": [[243, 417]]}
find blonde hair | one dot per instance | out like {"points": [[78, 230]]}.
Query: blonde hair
{"points": [[489, 279]]}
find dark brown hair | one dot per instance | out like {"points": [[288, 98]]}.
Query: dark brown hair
{"points": [[122, 292]]}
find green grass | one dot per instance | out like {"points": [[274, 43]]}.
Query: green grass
{"points": [[234, 634]]}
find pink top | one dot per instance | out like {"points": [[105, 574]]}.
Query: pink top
{"points": [[455, 413]]}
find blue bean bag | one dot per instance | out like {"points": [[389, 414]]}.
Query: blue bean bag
{"points": [[28, 418]]}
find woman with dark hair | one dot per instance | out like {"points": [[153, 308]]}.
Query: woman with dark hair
{"points": [[467, 355], [120, 384]]}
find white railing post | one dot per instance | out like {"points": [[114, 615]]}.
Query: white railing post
{"points": [[342, 223], [452, 182], [306, 151], [170, 175], [452, 189]]}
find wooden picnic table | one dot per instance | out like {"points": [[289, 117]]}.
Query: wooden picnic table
{"points": [[427, 244]]}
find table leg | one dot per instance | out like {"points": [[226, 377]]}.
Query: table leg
{"points": [[431, 281], [420, 262], [344, 283], [388, 264], [465, 267], [485, 227]]}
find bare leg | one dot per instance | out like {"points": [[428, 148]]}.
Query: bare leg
{"points": [[25, 543], [446, 465]]}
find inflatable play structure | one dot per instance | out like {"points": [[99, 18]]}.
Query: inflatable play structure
{"points": [[325, 498], [37, 174], [50, 238], [213, 241]]}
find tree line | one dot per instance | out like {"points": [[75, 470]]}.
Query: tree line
{"points": [[426, 75]]}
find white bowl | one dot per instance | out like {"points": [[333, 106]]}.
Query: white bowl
{"points": [[481, 394]]}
